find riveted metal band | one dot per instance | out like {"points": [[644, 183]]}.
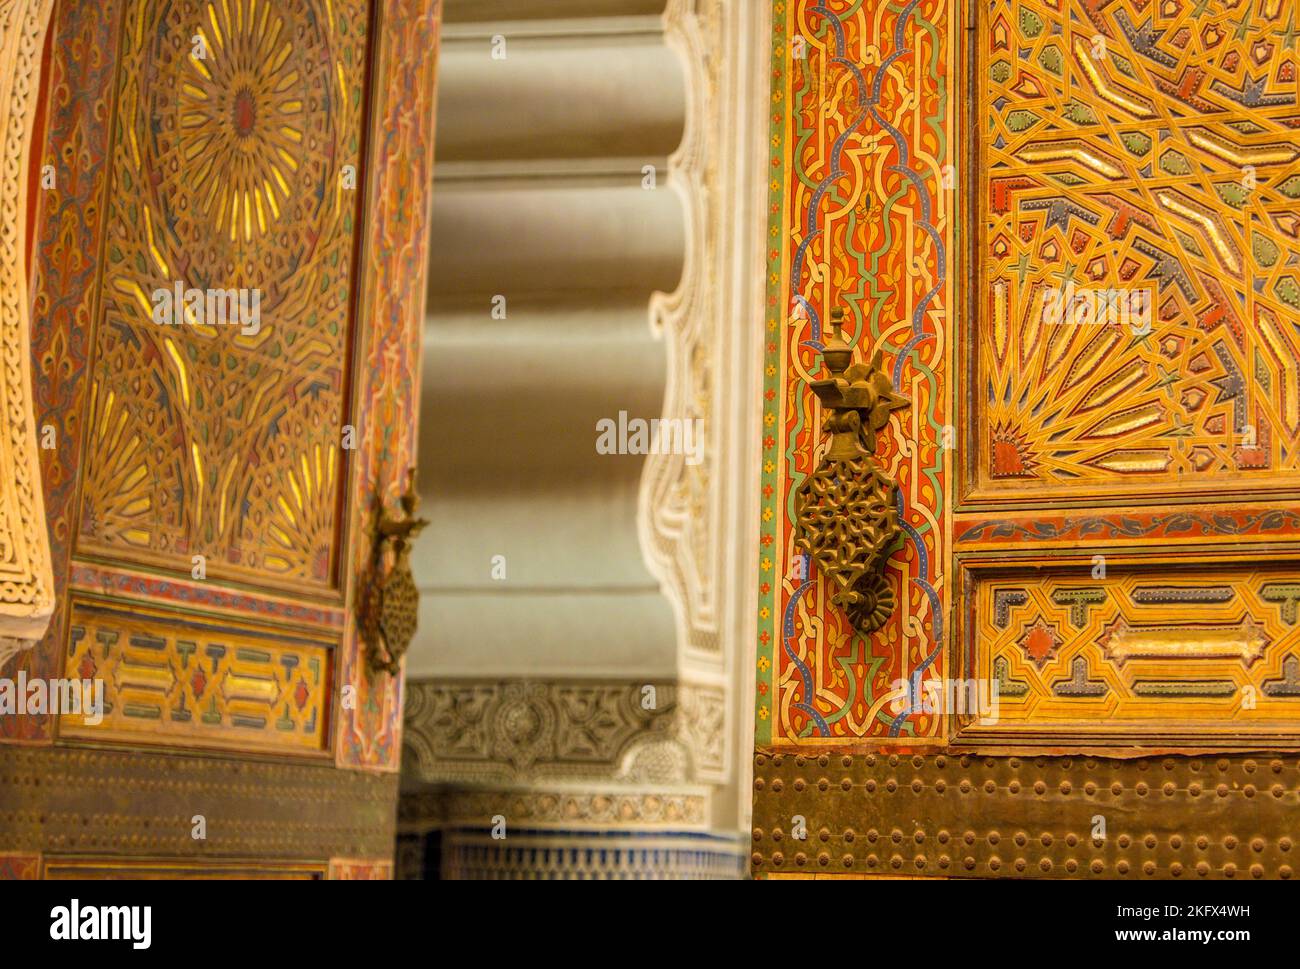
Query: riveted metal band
{"points": [[954, 815], [68, 800]]}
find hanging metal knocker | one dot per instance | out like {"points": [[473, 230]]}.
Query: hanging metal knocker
{"points": [[846, 512], [391, 609]]}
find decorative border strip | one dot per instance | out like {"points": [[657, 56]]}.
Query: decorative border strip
{"points": [[1165, 526], [114, 582], [399, 180]]}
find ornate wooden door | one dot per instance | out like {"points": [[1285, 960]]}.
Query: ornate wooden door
{"points": [[213, 481], [1070, 227]]}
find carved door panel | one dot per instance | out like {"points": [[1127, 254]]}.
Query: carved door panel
{"points": [[1070, 227], [228, 263]]}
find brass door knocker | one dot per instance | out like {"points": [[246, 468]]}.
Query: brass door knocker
{"points": [[392, 603], [846, 516]]}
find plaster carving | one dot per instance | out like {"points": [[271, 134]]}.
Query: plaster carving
{"points": [[26, 579], [681, 529], [508, 732]]}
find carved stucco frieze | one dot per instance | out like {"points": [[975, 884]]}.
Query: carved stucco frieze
{"points": [[26, 580], [580, 808], [525, 730]]}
